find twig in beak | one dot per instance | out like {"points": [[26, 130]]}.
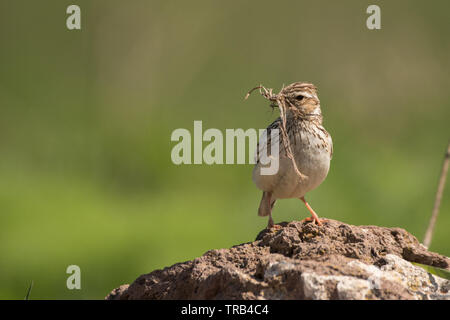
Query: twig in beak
{"points": [[279, 101]]}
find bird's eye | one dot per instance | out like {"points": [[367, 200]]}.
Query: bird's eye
{"points": [[299, 97]]}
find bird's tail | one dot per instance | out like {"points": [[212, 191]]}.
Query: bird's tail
{"points": [[265, 207]]}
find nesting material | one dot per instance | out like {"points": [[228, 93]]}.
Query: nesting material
{"points": [[283, 105]]}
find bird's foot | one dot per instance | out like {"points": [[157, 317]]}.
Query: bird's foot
{"points": [[317, 220], [271, 225]]}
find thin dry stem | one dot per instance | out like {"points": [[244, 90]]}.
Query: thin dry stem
{"points": [[281, 103], [437, 201]]}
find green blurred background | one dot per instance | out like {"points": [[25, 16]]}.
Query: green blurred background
{"points": [[86, 116]]}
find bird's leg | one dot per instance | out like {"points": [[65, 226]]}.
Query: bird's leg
{"points": [[270, 223], [269, 200], [314, 217]]}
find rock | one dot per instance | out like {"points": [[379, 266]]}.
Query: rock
{"points": [[300, 260], [116, 294]]}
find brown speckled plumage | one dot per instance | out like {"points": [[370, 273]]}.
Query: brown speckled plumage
{"points": [[309, 145]]}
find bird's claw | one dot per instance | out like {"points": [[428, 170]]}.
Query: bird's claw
{"points": [[315, 220]]}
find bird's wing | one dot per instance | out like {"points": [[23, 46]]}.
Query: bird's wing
{"points": [[265, 140]]}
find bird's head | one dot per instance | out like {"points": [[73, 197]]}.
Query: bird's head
{"points": [[302, 97], [299, 99]]}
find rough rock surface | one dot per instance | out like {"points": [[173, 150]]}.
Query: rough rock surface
{"points": [[300, 260]]}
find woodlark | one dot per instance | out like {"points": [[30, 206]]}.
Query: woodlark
{"points": [[308, 143]]}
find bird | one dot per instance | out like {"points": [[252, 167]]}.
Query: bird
{"points": [[305, 148]]}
